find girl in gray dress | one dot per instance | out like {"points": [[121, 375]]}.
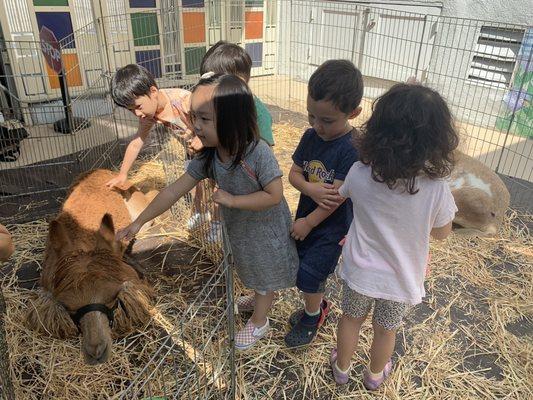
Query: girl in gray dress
{"points": [[250, 192]]}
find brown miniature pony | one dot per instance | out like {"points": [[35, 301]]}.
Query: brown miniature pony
{"points": [[87, 287]]}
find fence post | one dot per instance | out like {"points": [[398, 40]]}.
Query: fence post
{"points": [[289, 52], [101, 38], [6, 386], [420, 48], [101, 35], [360, 59], [227, 263], [515, 106]]}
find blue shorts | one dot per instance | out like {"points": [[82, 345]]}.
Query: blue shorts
{"points": [[318, 258]]}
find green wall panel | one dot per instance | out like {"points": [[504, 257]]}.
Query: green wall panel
{"points": [[145, 29], [50, 3], [193, 58]]}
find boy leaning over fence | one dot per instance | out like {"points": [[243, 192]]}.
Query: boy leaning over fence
{"points": [[133, 87]]}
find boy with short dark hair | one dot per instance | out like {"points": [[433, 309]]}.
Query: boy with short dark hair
{"points": [[321, 162], [133, 87], [229, 58]]}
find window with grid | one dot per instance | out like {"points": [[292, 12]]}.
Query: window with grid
{"points": [[495, 56]]}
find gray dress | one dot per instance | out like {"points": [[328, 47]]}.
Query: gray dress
{"points": [[264, 253]]}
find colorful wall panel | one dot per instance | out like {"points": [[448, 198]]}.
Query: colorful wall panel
{"points": [[146, 35], [194, 34], [59, 23], [193, 58], [72, 69], [145, 29], [151, 60], [255, 50], [193, 3], [194, 27], [253, 26], [142, 3], [50, 3]]}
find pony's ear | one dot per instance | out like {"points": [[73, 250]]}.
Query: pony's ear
{"points": [[47, 316], [135, 307], [58, 236], [105, 237], [107, 228]]}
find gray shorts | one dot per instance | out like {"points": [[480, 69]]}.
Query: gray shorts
{"points": [[387, 313]]}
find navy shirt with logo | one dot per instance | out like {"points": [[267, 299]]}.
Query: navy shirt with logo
{"points": [[324, 161]]}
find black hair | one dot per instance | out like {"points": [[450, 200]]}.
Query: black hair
{"points": [[227, 58], [411, 131], [338, 81], [129, 83], [235, 118]]}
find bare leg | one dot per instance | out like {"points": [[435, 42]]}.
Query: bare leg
{"points": [[312, 301], [262, 307], [347, 339], [382, 347]]}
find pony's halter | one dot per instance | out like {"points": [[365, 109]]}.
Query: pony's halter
{"points": [[80, 312], [109, 312]]}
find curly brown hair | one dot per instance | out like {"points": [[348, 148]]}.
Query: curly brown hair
{"points": [[411, 131]]}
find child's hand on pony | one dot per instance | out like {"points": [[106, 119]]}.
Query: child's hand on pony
{"points": [[118, 181], [223, 198], [301, 228], [129, 232], [325, 195]]}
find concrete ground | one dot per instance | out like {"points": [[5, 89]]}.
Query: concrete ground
{"points": [[513, 155]]}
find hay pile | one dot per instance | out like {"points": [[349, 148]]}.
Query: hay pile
{"points": [[46, 368], [471, 338]]}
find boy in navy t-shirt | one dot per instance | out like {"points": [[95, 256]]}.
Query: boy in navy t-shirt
{"points": [[321, 162]]}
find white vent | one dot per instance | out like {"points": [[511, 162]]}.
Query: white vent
{"points": [[495, 56]]}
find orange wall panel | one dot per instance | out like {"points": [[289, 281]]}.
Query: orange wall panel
{"points": [[193, 27], [72, 69], [253, 28]]}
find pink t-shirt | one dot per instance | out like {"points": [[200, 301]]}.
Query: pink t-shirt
{"points": [[175, 115], [387, 245]]}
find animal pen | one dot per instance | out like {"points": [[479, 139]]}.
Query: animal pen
{"points": [[484, 69]]}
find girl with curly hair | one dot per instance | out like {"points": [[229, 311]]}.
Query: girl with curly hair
{"points": [[400, 198]]}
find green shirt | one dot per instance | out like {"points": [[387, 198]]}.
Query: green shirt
{"points": [[264, 121]]}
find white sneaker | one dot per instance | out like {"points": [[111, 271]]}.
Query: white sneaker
{"points": [[197, 219], [250, 335], [214, 234]]}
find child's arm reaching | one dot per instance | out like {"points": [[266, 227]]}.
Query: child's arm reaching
{"points": [[257, 201], [302, 226], [442, 232], [132, 151], [161, 203], [323, 194]]}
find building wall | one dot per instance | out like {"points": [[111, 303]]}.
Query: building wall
{"points": [[449, 69], [397, 45], [508, 11]]}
